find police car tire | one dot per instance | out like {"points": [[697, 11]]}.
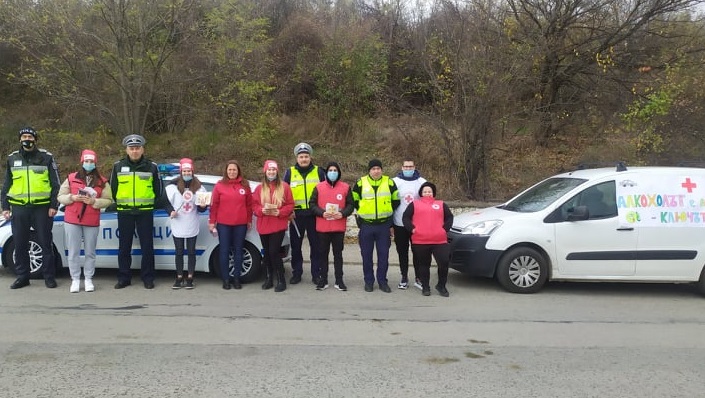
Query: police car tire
{"points": [[522, 270], [255, 269], [9, 259]]}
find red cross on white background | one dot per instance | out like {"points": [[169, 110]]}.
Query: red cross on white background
{"points": [[689, 185]]}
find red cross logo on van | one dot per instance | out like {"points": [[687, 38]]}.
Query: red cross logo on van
{"points": [[689, 185]]}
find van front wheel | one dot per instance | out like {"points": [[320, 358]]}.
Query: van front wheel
{"points": [[522, 270]]}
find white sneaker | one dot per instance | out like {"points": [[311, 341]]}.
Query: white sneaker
{"points": [[418, 285], [75, 286], [89, 285], [404, 284]]}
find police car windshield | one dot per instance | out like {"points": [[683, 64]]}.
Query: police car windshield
{"points": [[542, 195]]}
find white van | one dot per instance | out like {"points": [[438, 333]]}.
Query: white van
{"points": [[640, 224]]}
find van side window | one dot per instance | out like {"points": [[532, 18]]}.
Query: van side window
{"points": [[600, 201]]}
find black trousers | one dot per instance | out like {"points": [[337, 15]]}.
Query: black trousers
{"points": [[143, 223], [37, 217], [422, 257], [179, 260], [326, 240], [402, 240], [271, 243]]}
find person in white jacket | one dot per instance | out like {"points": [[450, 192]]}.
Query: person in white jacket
{"points": [[183, 194], [408, 182]]}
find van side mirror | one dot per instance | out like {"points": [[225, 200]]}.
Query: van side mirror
{"points": [[578, 213]]}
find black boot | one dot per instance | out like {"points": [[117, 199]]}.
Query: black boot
{"points": [[269, 279], [281, 282]]}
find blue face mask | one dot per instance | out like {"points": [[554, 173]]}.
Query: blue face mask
{"points": [[408, 173], [187, 178], [88, 166], [332, 175]]}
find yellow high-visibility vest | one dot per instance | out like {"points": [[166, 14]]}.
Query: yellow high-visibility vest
{"points": [[135, 190], [30, 185], [302, 188], [375, 205]]}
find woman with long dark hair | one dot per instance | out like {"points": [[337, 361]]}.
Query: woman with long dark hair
{"points": [[230, 218], [183, 195]]}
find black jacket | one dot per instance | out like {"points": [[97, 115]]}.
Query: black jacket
{"points": [[37, 157], [143, 165]]}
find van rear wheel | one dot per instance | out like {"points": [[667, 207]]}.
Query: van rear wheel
{"points": [[701, 282], [522, 270]]}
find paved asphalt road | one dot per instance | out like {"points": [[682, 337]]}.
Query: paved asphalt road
{"points": [[570, 340]]}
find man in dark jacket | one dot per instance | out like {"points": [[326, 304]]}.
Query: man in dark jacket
{"points": [[29, 198], [303, 178], [137, 190]]}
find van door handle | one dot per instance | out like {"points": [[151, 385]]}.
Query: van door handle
{"points": [[625, 229]]}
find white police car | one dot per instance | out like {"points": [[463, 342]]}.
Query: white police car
{"points": [[642, 224], [207, 246]]}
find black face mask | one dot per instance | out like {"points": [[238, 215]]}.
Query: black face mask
{"points": [[28, 144]]}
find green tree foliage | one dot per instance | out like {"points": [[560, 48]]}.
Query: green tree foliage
{"points": [[240, 86], [351, 76]]}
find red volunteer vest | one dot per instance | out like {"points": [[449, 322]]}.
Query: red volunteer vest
{"points": [[428, 222], [72, 212], [333, 195]]}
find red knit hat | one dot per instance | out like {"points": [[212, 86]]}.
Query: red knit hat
{"points": [[268, 164], [87, 154], [186, 164]]}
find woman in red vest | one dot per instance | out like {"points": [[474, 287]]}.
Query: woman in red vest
{"points": [[429, 220], [331, 202], [83, 193]]}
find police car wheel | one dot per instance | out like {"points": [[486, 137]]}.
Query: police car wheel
{"points": [[251, 263], [35, 258], [522, 270]]}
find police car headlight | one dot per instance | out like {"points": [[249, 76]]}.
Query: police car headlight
{"points": [[484, 228]]}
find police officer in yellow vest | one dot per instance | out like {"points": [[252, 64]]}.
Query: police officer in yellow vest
{"points": [[302, 178], [375, 196], [29, 198], [137, 190]]}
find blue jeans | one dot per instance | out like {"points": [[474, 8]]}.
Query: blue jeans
{"points": [[231, 238]]}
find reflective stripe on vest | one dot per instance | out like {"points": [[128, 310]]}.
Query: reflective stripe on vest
{"points": [[302, 188], [375, 205], [135, 190], [30, 185]]}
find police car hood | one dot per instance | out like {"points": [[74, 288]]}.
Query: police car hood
{"points": [[490, 213]]}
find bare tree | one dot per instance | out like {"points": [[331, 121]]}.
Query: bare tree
{"points": [[470, 76], [90, 54], [572, 38]]}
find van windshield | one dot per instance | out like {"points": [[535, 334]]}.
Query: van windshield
{"points": [[542, 195]]}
